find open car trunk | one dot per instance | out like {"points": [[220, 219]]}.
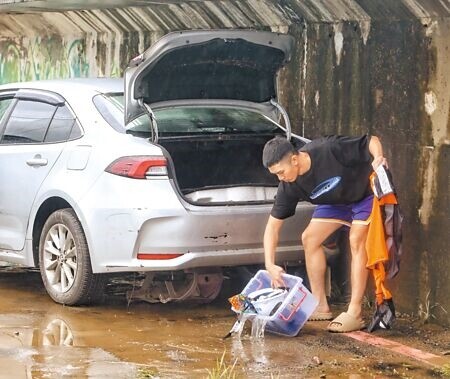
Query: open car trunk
{"points": [[221, 169], [219, 158]]}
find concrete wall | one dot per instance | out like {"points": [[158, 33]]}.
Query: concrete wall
{"points": [[358, 67]]}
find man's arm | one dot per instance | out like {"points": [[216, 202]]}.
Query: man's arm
{"points": [[270, 245], [376, 150]]}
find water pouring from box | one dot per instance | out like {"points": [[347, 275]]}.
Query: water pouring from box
{"points": [[281, 311]]}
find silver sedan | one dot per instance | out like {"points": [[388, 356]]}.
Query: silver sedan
{"points": [[160, 174]]}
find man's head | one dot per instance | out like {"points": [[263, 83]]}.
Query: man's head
{"points": [[281, 158]]}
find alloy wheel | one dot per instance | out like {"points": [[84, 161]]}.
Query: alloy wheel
{"points": [[60, 258]]}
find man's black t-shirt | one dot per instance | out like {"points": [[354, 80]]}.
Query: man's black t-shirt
{"points": [[339, 174]]}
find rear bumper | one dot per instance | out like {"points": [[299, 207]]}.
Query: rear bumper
{"points": [[206, 239], [221, 258], [122, 219]]}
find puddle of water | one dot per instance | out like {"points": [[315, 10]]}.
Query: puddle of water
{"points": [[40, 339]]}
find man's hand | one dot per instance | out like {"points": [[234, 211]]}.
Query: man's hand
{"points": [[376, 150], [275, 274], [378, 161]]}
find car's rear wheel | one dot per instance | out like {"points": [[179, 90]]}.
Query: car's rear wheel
{"points": [[65, 263]]}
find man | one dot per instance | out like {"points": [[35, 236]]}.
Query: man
{"points": [[332, 172]]}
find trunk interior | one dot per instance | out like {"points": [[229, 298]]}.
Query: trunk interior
{"points": [[221, 169]]}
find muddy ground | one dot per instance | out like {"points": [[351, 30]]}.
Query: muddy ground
{"points": [[118, 339]]}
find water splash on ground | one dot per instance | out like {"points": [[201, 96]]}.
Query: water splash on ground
{"points": [[258, 327]]}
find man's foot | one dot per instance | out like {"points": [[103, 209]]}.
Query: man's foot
{"points": [[344, 323]]}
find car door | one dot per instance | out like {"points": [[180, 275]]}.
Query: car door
{"points": [[25, 160]]}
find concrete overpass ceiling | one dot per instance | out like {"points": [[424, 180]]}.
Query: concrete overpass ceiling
{"points": [[21, 6], [153, 17], [293, 10]]}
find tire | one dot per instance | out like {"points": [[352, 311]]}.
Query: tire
{"points": [[68, 277]]}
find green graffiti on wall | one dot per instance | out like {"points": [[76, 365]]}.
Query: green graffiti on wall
{"points": [[10, 64], [49, 58], [76, 58], [115, 71]]}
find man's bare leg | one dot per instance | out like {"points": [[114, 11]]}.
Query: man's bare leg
{"points": [[316, 265], [359, 272]]}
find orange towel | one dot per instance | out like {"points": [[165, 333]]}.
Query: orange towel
{"points": [[377, 251]]}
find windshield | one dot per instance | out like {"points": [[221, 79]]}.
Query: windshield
{"points": [[185, 119]]}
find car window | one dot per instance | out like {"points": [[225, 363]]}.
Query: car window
{"points": [[186, 119], [28, 122], [4, 104], [209, 119], [63, 126], [76, 131]]}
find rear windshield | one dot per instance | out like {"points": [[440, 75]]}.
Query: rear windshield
{"points": [[185, 119]]}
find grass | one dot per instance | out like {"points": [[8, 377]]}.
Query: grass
{"points": [[426, 311], [147, 373], [443, 371], [222, 369]]}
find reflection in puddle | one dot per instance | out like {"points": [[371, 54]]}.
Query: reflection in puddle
{"points": [[27, 351], [57, 333], [86, 342]]}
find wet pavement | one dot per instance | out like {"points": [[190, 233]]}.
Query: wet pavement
{"points": [[41, 339]]}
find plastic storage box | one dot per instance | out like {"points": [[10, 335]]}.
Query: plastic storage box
{"points": [[295, 309]]}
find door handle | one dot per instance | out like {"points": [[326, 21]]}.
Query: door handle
{"points": [[37, 160]]}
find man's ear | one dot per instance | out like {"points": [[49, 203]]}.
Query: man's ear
{"points": [[294, 159]]}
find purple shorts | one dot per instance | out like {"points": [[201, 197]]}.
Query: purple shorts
{"points": [[346, 214]]}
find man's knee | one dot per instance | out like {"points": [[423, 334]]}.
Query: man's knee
{"points": [[309, 240], [357, 240], [316, 233], [306, 238]]}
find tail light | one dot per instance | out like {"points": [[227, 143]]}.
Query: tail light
{"points": [[138, 167]]}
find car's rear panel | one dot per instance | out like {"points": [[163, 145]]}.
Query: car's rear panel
{"points": [[147, 219], [220, 229]]}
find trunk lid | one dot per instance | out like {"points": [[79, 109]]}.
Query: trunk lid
{"points": [[206, 64]]}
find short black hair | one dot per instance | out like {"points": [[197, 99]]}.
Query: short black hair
{"points": [[275, 150]]}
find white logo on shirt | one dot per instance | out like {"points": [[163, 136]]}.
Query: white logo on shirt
{"points": [[324, 187]]}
